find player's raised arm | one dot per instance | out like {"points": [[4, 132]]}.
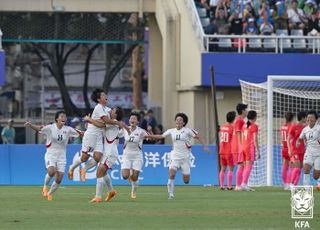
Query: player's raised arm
{"points": [[32, 126]]}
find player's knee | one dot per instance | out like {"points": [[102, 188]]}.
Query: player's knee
{"points": [[84, 157], [97, 157], [186, 181], [51, 173]]}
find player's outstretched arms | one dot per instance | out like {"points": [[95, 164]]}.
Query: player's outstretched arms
{"points": [[205, 146], [97, 123]]}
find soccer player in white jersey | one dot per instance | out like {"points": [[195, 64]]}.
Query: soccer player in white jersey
{"points": [[181, 152], [57, 135], [110, 156], [311, 135], [132, 159], [93, 137]]}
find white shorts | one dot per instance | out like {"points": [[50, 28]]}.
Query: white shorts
{"points": [[136, 164], [56, 161], [312, 160], [109, 160], [181, 164], [92, 143]]}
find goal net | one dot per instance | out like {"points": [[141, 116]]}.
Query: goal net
{"points": [[271, 100]]}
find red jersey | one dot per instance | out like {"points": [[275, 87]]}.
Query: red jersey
{"points": [[248, 134], [294, 133], [226, 135], [239, 122], [284, 131]]}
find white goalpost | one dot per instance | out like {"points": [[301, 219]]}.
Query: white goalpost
{"points": [[271, 100]]}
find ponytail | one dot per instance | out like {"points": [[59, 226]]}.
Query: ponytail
{"points": [[248, 123]]}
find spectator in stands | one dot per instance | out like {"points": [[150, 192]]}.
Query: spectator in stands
{"points": [[296, 16], [143, 122], [8, 133], [248, 12], [265, 14], [266, 29], [212, 29], [151, 120], [280, 16], [251, 28], [313, 28], [221, 16], [213, 7], [236, 23]]}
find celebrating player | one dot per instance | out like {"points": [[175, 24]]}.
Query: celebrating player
{"points": [[296, 153], [93, 137], [236, 148], [284, 149], [181, 151], [311, 135], [250, 147], [132, 159], [110, 156], [57, 135], [226, 158]]}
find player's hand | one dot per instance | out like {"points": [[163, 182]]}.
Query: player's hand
{"points": [[27, 124], [206, 149], [87, 117]]}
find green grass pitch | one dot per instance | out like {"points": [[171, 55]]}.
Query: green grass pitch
{"points": [[23, 207]]}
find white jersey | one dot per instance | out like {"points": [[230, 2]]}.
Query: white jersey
{"points": [[312, 137], [57, 139], [98, 113], [111, 139], [181, 141], [132, 148]]}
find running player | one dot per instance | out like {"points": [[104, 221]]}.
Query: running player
{"points": [[132, 158], [110, 156], [93, 137], [250, 147], [226, 158], [284, 149], [311, 135], [296, 153], [181, 151], [236, 148], [57, 135]]}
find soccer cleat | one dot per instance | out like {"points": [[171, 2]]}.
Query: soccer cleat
{"points": [[83, 175], [247, 188], [230, 188], [133, 195], [111, 194], [50, 197], [96, 200], [45, 191], [222, 188], [171, 196], [70, 174], [238, 188]]}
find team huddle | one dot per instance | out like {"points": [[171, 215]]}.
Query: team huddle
{"points": [[239, 146], [102, 138]]}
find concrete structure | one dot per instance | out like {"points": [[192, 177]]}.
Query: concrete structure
{"points": [[175, 55]]}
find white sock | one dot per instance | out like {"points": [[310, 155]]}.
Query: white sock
{"points": [[99, 187], [90, 164], [108, 183], [75, 163], [47, 179], [134, 186], [170, 186], [53, 188], [306, 179]]}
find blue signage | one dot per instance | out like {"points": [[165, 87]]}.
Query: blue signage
{"points": [[230, 67]]}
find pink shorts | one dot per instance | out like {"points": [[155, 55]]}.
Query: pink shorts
{"points": [[250, 154], [226, 160]]}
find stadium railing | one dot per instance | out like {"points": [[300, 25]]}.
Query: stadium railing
{"points": [[262, 43]]}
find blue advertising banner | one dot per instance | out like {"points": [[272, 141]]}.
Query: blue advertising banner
{"points": [[24, 165], [230, 67], [2, 68]]}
